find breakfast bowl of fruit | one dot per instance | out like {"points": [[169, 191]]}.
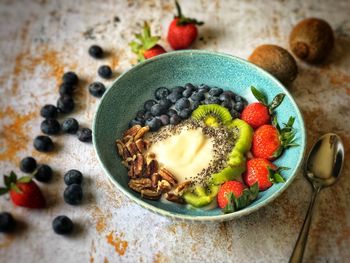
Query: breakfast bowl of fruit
{"points": [[199, 136]]}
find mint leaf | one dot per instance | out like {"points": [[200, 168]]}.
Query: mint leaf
{"points": [[259, 95], [277, 100], [3, 190], [278, 178]]}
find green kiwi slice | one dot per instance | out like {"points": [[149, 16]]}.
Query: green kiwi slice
{"points": [[212, 115]]}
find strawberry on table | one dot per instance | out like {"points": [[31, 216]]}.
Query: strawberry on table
{"points": [[259, 113], [182, 30], [234, 195], [269, 141], [23, 191], [146, 46], [263, 172]]}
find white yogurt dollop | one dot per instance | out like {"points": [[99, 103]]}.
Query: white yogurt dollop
{"points": [[185, 154]]}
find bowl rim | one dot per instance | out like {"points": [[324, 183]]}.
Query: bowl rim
{"points": [[210, 218]]}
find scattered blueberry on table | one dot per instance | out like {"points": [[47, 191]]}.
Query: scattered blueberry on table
{"points": [[70, 78], [65, 104], [62, 225], [66, 89], [7, 222], [43, 143], [73, 177], [96, 51], [105, 72], [49, 111], [97, 89], [70, 126], [28, 165], [43, 173], [50, 126], [85, 135], [73, 194]]}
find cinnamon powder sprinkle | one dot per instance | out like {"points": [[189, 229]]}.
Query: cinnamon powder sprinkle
{"points": [[119, 244]]}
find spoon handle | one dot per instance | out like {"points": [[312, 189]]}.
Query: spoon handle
{"points": [[298, 252]]}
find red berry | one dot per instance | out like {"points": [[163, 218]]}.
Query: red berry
{"points": [[257, 171], [234, 187], [154, 51], [266, 142], [30, 195], [256, 114], [181, 36]]}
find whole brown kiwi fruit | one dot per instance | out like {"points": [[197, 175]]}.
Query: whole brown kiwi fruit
{"points": [[312, 40], [277, 61]]}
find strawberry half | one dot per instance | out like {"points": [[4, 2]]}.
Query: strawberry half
{"points": [[269, 141], [234, 195], [146, 46], [23, 191], [263, 172], [259, 113], [182, 30]]}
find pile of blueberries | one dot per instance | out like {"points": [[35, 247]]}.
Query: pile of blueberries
{"points": [[170, 106]]}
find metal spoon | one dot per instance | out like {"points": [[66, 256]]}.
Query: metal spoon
{"points": [[323, 167]]}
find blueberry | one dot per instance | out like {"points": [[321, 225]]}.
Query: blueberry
{"points": [[65, 104], [204, 87], [227, 104], [224, 96], [96, 51], [97, 89], [187, 93], [229, 93], [235, 114], [148, 115], [140, 115], [27, 165], [135, 122], [73, 194], [158, 110], [239, 106], [7, 222], [85, 135], [154, 124], [50, 126], [190, 86], [49, 111], [70, 126], [175, 119], [165, 103], [164, 119], [73, 177], [195, 105], [105, 72], [178, 89], [185, 113], [62, 225], [215, 91], [238, 98], [148, 104], [171, 112], [43, 143], [43, 174], [198, 96], [66, 89], [182, 103], [213, 100], [161, 93], [70, 78], [174, 96]]}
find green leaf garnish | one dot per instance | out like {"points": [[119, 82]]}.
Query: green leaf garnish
{"points": [[277, 100], [185, 20], [3, 190], [24, 179], [259, 95]]}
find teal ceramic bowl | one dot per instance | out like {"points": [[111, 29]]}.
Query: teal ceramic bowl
{"points": [[128, 93]]}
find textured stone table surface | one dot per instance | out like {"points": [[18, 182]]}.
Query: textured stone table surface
{"points": [[39, 40]]}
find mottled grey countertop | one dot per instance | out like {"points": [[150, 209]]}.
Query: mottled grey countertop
{"points": [[39, 40]]}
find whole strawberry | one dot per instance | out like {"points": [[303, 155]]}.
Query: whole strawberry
{"points": [[182, 30], [234, 195], [269, 141], [146, 46], [263, 172], [23, 191], [259, 113]]}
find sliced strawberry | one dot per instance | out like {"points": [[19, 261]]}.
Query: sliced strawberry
{"points": [[23, 191], [154, 51]]}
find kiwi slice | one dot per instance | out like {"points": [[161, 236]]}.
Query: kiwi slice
{"points": [[227, 174], [212, 115], [201, 196], [245, 135]]}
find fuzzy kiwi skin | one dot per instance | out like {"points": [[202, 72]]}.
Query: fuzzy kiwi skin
{"points": [[312, 40], [277, 61]]}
